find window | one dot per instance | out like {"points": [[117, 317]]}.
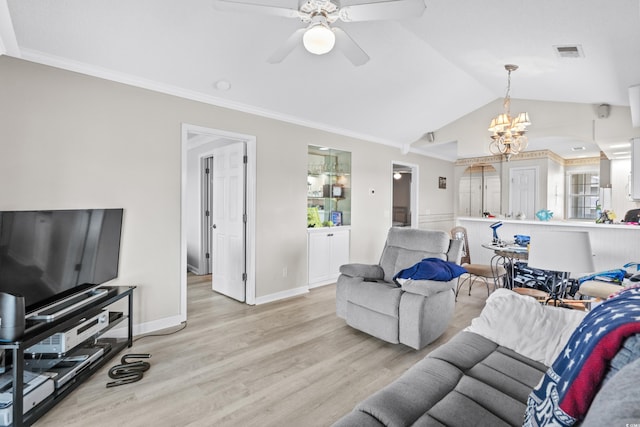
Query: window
{"points": [[583, 195]]}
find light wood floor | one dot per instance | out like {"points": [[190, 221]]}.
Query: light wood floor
{"points": [[287, 363]]}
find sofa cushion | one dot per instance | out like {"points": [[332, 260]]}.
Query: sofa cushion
{"points": [[377, 296], [366, 271], [459, 384], [406, 247], [427, 288], [474, 403]]}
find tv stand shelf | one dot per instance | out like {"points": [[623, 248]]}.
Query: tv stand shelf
{"points": [[36, 331]]}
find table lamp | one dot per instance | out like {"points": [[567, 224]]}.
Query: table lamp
{"points": [[562, 252]]}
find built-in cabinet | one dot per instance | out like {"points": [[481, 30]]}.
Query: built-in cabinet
{"points": [[328, 187], [479, 191], [328, 213], [328, 250]]}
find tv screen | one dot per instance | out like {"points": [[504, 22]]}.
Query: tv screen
{"points": [[46, 256]]}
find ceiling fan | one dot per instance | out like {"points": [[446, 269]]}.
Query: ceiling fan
{"points": [[319, 36]]}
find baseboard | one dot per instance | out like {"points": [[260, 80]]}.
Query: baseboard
{"points": [[282, 295], [145, 328], [193, 269]]}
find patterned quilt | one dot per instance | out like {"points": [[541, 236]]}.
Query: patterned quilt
{"points": [[566, 391]]}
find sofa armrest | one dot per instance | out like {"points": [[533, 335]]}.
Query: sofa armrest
{"points": [[372, 272], [428, 288]]}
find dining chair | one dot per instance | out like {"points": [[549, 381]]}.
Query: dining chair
{"points": [[483, 272]]}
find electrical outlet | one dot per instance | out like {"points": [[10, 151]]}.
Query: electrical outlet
{"points": [[372, 191], [284, 271]]}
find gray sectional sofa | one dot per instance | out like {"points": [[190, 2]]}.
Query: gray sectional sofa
{"points": [[472, 380]]}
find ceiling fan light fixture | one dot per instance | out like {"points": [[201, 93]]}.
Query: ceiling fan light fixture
{"points": [[319, 39]]}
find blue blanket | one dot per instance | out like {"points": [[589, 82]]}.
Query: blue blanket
{"points": [[564, 394], [431, 269]]}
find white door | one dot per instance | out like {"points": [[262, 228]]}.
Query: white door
{"points": [[228, 236], [522, 191]]}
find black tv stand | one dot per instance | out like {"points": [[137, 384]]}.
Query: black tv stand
{"points": [[38, 331]]}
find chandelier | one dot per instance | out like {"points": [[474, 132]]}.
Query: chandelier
{"points": [[508, 134]]}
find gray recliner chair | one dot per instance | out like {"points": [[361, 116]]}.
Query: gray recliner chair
{"points": [[413, 314]]}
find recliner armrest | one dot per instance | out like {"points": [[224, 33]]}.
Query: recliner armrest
{"points": [[428, 287], [372, 272]]}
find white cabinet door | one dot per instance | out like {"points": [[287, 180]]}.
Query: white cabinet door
{"points": [[339, 252], [319, 256], [328, 250]]}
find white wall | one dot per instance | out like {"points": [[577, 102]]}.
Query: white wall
{"points": [[72, 141]]}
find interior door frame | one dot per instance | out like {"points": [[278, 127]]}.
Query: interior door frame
{"points": [[206, 162], [250, 199], [414, 202]]}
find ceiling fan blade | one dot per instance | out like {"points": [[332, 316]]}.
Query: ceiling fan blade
{"points": [[349, 47], [292, 42], [233, 6], [394, 9]]}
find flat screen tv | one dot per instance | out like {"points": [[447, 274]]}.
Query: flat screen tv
{"points": [[48, 256]]}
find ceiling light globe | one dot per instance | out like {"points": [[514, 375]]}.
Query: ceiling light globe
{"points": [[319, 39]]}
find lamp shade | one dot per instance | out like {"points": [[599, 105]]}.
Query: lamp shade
{"points": [[562, 251], [319, 39]]}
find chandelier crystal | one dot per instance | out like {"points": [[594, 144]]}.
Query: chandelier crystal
{"points": [[508, 134]]}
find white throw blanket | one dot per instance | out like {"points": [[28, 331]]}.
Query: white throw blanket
{"points": [[522, 324]]}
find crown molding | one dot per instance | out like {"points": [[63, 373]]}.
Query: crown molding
{"points": [[529, 155], [131, 80]]}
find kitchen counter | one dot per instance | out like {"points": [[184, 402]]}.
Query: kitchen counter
{"points": [[613, 245]]}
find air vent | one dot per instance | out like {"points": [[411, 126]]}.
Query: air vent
{"points": [[569, 51]]}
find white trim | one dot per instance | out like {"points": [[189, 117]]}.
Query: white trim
{"points": [[145, 328], [250, 142], [282, 295], [203, 261], [193, 269], [116, 76], [8, 41]]}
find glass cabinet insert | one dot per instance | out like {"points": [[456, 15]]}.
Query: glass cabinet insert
{"points": [[328, 187]]}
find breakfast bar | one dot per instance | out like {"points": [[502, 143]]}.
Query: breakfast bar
{"points": [[613, 245]]}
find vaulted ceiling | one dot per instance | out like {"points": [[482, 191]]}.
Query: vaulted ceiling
{"points": [[423, 72]]}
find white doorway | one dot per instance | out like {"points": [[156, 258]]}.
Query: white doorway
{"points": [[199, 143], [523, 192], [404, 202]]}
